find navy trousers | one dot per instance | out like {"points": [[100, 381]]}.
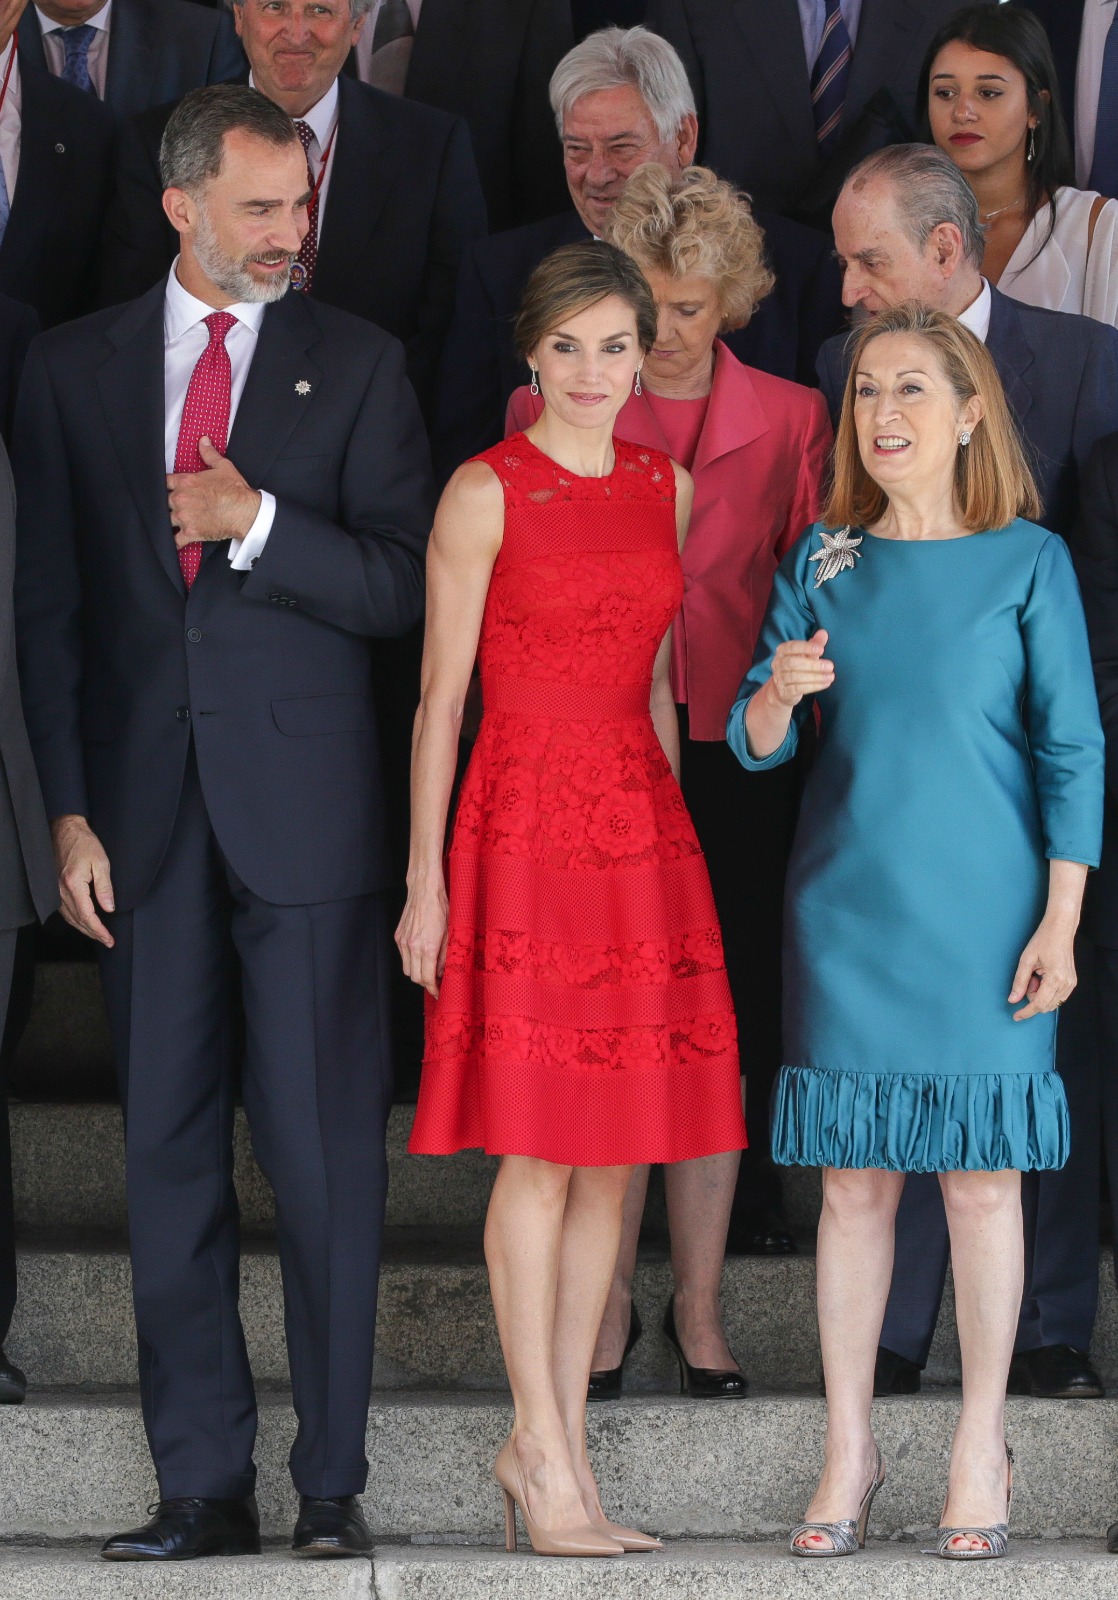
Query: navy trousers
{"points": [[1061, 1209], [317, 1090]]}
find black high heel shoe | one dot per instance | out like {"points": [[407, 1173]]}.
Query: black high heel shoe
{"points": [[606, 1385], [702, 1383]]}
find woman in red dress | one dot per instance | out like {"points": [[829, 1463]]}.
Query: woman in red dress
{"points": [[579, 1019]]}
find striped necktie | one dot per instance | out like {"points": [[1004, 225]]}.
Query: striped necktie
{"points": [[829, 78]]}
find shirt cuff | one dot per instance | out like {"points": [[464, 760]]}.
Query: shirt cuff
{"points": [[243, 553]]}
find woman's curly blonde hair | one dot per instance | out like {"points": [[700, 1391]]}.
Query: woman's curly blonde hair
{"points": [[694, 222]]}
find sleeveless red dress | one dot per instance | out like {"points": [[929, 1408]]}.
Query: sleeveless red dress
{"points": [[584, 1015]]}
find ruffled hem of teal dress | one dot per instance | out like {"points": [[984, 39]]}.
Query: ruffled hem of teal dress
{"points": [[914, 1122]]}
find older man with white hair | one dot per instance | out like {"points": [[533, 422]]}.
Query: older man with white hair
{"points": [[620, 98]]}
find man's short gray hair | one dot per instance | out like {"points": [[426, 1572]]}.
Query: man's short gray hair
{"points": [[614, 58], [193, 142], [357, 8], [929, 189]]}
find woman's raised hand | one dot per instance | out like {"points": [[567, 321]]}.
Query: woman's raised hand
{"points": [[800, 667]]}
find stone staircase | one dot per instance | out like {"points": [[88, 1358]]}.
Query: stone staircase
{"points": [[721, 1482]]}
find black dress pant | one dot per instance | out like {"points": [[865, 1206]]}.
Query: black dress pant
{"points": [[7, 1211], [316, 1090], [1061, 1209], [745, 822]]}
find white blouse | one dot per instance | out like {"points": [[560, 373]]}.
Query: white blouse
{"points": [[1064, 276]]}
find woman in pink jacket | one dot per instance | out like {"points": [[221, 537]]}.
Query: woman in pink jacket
{"points": [[757, 449]]}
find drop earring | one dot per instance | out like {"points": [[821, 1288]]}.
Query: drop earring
{"points": [[1031, 152], [637, 385], [535, 388]]}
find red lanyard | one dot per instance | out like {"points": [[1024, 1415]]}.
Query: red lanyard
{"points": [[8, 72], [322, 160]]}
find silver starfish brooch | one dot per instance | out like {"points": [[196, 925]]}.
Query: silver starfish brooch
{"points": [[839, 552]]}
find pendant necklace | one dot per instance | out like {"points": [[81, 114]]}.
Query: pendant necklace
{"points": [[990, 215]]}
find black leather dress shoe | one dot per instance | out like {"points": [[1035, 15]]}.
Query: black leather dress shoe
{"points": [[185, 1528], [894, 1374], [759, 1234], [13, 1385], [1054, 1372], [605, 1384], [331, 1528]]}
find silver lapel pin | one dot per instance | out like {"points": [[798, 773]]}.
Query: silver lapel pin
{"points": [[302, 387]]}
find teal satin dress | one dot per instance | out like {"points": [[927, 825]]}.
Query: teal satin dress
{"points": [[959, 747]]}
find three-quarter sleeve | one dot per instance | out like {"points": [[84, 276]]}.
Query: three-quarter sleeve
{"points": [[789, 616], [1061, 711]]}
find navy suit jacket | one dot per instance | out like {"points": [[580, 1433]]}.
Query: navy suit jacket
{"points": [[1094, 548], [480, 366], [1060, 374], [48, 257], [18, 326], [746, 63], [404, 202], [268, 671], [158, 51]]}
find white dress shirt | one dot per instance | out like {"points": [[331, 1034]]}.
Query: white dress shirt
{"points": [[185, 337], [10, 120], [1097, 17], [363, 49], [98, 58], [977, 315], [322, 119]]}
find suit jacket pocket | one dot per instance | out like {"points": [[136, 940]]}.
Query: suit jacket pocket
{"points": [[323, 713]]}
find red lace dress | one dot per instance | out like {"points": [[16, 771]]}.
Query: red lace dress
{"points": [[584, 1015]]}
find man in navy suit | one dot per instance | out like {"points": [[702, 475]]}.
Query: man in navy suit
{"points": [[56, 165], [637, 107], [131, 54], [396, 192], [194, 627], [907, 227]]}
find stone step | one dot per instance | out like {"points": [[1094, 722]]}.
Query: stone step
{"points": [[74, 1466], [68, 1173], [719, 1570], [73, 1321]]}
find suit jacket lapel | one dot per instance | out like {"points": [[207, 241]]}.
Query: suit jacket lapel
{"points": [[274, 398], [133, 396], [359, 183], [776, 45], [884, 29], [1012, 353], [43, 153], [31, 51], [735, 416], [133, 48]]}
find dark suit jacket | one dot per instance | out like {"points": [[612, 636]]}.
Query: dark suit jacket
{"points": [[18, 326], [268, 671], [48, 257], [1061, 378], [1094, 547], [490, 62], [1063, 22], [404, 202], [480, 367], [158, 51], [746, 62]]}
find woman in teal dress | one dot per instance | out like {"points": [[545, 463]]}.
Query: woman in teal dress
{"points": [[936, 879]]}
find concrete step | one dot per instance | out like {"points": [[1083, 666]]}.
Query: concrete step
{"points": [[68, 1173], [76, 1466], [73, 1322], [720, 1571]]}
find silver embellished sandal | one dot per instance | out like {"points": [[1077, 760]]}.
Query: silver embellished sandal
{"points": [[848, 1536], [996, 1538]]}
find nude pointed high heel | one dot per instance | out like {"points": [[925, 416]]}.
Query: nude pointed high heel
{"points": [[582, 1540], [630, 1538]]}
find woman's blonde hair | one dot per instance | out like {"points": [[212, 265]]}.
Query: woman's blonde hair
{"points": [[694, 222], [993, 480]]}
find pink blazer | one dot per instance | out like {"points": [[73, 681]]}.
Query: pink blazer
{"points": [[758, 471]]}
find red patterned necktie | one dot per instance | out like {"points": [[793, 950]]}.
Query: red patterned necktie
{"points": [[205, 413], [308, 250]]}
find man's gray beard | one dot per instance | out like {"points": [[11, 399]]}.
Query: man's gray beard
{"points": [[231, 276]]}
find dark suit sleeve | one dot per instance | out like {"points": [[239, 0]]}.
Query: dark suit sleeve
{"points": [[831, 378], [136, 250], [48, 593], [668, 18], [227, 59], [364, 573], [469, 410], [458, 219], [1095, 549], [1096, 406], [25, 329], [539, 182]]}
